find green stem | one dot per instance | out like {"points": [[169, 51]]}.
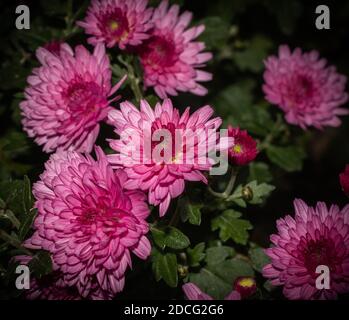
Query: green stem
{"points": [[134, 80], [228, 189]]}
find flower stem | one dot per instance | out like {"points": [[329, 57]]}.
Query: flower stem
{"points": [[134, 80], [228, 189]]}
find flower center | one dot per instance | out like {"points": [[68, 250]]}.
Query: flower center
{"points": [[114, 25], [84, 97], [163, 139], [301, 89], [159, 52], [237, 148], [318, 253]]}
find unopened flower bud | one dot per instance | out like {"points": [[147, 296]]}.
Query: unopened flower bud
{"points": [[247, 193]]}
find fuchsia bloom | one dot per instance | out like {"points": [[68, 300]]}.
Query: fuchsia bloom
{"points": [[170, 57], [89, 223], [344, 180], [67, 97], [307, 91], [193, 292], [117, 22], [244, 149], [316, 236], [163, 176]]}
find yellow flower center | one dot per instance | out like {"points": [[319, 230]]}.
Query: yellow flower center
{"points": [[237, 148], [247, 282], [113, 25]]}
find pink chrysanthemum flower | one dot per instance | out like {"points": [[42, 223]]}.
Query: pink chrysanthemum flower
{"points": [[117, 22], [67, 97], [244, 149], [88, 222], [315, 237], [170, 57], [163, 176], [307, 91], [344, 180], [193, 292]]}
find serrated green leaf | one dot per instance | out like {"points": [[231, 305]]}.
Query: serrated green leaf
{"points": [[217, 279], [259, 191], [258, 258], [196, 255], [288, 158], [252, 193], [170, 237], [216, 255], [164, 266], [260, 172], [231, 226], [190, 211]]}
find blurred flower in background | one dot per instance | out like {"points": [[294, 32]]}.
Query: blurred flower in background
{"points": [[309, 92]]}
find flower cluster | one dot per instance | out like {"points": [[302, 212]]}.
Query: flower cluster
{"points": [[92, 213], [167, 50]]}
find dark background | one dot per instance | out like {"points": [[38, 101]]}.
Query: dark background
{"points": [[281, 21]]}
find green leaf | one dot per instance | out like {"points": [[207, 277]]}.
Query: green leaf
{"points": [[8, 215], [216, 32], [41, 264], [164, 266], [251, 59], [217, 279], [231, 227], [260, 172], [259, 191], [196, 255], [190, 211], [170, 237], [28, 201], [252, 193], [12, 193], [235, 104], [26, 224], [288, 158], [259, 258], [235, 99], [11, 239], [216, 255]]}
